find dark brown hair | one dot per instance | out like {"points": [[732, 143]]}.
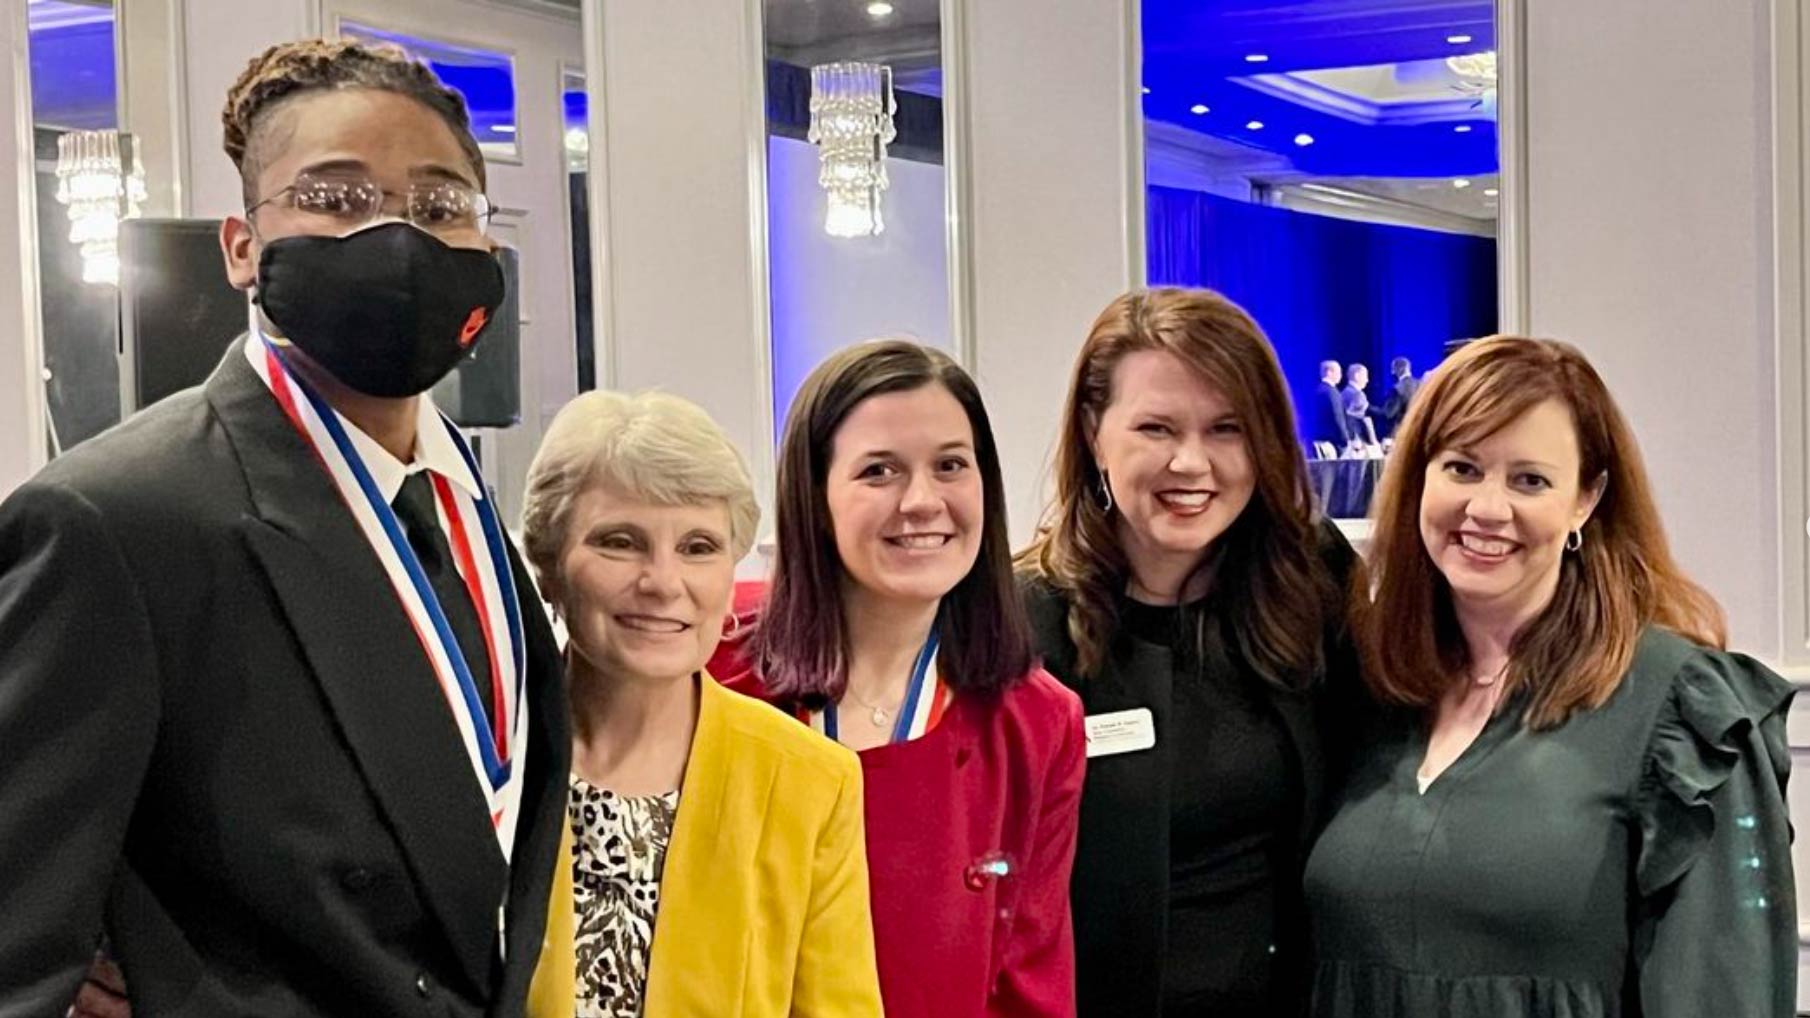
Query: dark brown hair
{"points": [[800, 644], [1268, 557], [292, 69], [1575, 653]]}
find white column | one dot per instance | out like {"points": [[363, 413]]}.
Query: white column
{"points": [[152, 104], [1055, 171], [678, 208], [21, 393], [219, 38], [1650, 223]]}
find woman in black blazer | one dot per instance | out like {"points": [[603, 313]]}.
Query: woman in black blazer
{"points": [[1183, 586]]}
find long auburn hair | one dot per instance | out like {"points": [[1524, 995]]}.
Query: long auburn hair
{"points": [[1574, 654], [800, 643], [1268, 556]]}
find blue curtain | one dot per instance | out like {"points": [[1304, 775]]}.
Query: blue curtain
{"points": [[1324, 288]]}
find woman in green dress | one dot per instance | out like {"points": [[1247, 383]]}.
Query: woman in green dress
{"points": [[1572, 801]]}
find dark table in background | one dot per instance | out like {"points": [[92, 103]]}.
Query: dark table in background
{"points": [[1343, 488]]}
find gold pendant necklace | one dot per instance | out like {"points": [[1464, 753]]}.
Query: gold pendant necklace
{"points": [[877, 714]]}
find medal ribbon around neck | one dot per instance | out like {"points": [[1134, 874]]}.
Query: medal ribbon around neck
{"points": [[493, 746]]}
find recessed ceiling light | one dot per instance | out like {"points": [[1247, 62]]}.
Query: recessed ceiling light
{"points": [[879, 8], [1304, 140], [1256, 58], [1198, 108], [1463, 129], [1457, 40], [1461, 183], [1254, 125], [1490, 192], [503, 128]]}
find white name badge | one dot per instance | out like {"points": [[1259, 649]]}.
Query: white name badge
{"points": [[1124, 731]]}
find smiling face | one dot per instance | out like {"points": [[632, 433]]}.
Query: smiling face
{"points": [[1494, 516], [1177, 459], [905, 496], [644, 587]]}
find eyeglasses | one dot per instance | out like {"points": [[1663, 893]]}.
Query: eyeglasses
{"points": [[444, 208]]}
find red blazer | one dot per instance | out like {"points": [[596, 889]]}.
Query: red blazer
{"points": [[970, 840]]}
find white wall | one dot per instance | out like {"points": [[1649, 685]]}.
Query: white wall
{"points": [[1649, 191], [1658, 261], [21, 420], [829, 291], [1057, 220]]}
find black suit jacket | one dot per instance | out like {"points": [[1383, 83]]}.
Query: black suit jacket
{"points": [[1120, 888], [1396, 406], [224, 746], [1326, 420]]}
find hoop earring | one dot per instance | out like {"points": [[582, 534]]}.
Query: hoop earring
{"points": [[1105, 492], [1574, 541], [735, 629]]}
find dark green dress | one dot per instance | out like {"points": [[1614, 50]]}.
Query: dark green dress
{"points": [[1634, 861]]}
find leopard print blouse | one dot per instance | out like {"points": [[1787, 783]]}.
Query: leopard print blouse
{"points": [[620, 851]]}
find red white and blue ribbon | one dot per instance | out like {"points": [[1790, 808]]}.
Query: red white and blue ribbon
{"points": [[494, 746], [926, 699]]}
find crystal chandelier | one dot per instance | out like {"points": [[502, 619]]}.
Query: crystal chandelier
{"points": [[1476, 72], [90, 181], [851, 124]]}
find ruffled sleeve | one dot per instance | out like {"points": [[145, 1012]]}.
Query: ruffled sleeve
{"points": [[1715, 924]]}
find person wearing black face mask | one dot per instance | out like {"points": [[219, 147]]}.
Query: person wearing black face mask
{"points": [[280, 714]]}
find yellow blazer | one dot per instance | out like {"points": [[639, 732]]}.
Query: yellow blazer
{"points": [[764, 906]]}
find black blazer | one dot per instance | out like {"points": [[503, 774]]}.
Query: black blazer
{"points": [[1120, 888], [1396, 406], [224, 746], [1326, 420]]}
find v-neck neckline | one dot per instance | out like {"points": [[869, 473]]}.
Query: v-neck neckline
{"points": [[1505, 719]]}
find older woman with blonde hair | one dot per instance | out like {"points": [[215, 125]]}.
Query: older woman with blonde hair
{"points": [[716, 859], [1574, 804]]}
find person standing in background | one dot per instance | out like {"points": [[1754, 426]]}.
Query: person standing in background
{"points": [[1357, 405], [1326, 419], [1395, 408]]}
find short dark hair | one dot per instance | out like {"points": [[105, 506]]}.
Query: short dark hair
{"points": [[1400, 366], [801, 643], [291, 69]]}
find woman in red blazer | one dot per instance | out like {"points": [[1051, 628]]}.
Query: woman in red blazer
{"points": [[892, 626]]}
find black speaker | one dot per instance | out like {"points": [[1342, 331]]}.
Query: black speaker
{"points": [[177, 312], [485, 390]]}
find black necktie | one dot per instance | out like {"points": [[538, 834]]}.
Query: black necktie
{"points": [[414, 507]]}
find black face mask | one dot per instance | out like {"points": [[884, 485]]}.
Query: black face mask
{"points": [[388, 310]]}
